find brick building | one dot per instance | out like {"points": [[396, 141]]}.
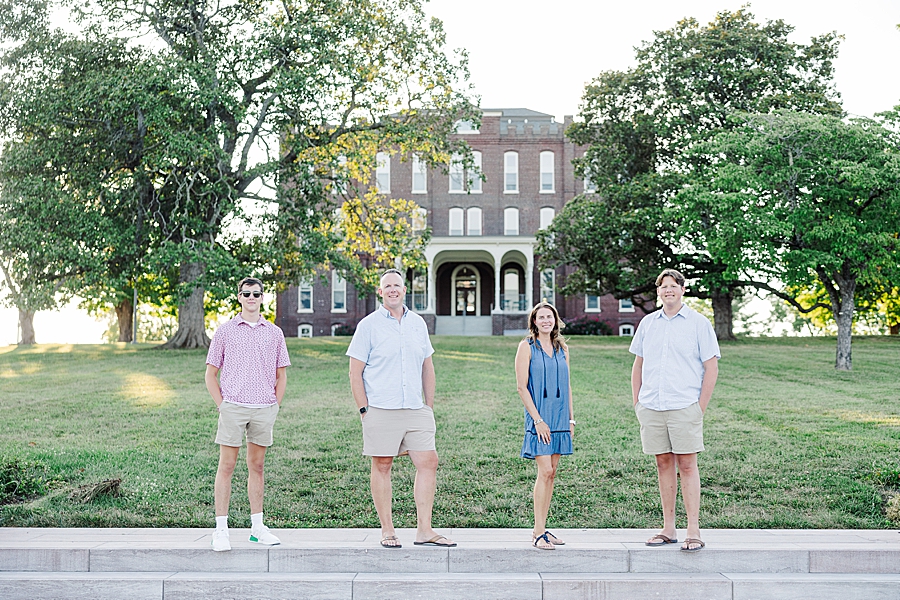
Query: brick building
{"points": [[482, 277]]}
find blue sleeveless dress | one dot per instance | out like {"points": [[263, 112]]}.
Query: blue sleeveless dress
{"points": [[548, 384]]}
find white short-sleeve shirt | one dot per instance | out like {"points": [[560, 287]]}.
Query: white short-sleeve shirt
{"points": [[674, 350], [394, 352]]}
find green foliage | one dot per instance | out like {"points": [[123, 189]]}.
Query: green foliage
{"points": [[587, 326], [809, 200], [22, 480], [780, 452], [638, 125], [210, 137]]}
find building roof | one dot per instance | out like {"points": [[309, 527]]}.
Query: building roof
{"points": [[519, 113]]}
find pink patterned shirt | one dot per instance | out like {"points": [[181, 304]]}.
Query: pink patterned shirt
{"points": [[247, 357]]}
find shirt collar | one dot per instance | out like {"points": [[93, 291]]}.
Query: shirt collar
{"points": [[238, 319], [386, 313], [661, 314]]}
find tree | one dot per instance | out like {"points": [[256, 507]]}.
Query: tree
{"points": [[265, 108], [805, 199], [638, 124], [41, 231]]}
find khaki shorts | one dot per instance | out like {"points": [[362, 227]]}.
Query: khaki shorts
{"points": [[676, 431], [235, 420], [395, 432]]}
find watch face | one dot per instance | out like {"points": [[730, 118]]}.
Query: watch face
{"points": [[363, 410]]}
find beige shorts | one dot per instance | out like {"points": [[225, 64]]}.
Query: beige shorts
{"points": [[395, 432], [236, 420], [676, 431]]}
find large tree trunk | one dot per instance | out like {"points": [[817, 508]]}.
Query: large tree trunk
{"points": [[842, 291], [26, 327], [723, 315], [125, 317], [894, 329], [191, 327]]}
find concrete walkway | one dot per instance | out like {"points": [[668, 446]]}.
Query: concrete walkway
{"points": [[164, 564]]}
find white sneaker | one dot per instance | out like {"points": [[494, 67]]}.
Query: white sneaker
{"points": [[220, 541], [264, 536]]}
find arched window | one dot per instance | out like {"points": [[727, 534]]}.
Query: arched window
{"points": [[547, 214], [547, 172], [419, 181], [465, 180], [511, 173], [305, 330], [383, 173], [473, 220], [511, 221], [420, 219], [456, 221], [626, 330]]}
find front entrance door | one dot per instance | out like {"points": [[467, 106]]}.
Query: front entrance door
{"points": [[466, 286]]}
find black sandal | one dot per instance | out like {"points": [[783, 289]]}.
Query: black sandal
{"points": [[544, 537]]}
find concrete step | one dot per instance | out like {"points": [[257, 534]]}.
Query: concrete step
{"points": [[479, 551], [475, 586]]}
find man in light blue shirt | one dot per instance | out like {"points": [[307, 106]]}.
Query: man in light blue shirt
{"points": [[672, 380], [390, 368]]}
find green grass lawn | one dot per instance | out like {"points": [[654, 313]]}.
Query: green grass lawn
{"points": [[791, 443]]}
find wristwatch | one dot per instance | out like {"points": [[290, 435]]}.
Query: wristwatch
{"points": [[363, 410]]}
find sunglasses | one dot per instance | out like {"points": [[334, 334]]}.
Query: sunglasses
{"points": [[247, 294]]}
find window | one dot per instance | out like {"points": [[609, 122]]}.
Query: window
{"points": [[417, 292], [511, 221], [339, 186], [305, 330], [547, 172], [511, 300], [548, 285], [338, 293], [457, 175], [626, 330], [420, 219], [591, 303], [456, 221], [383, 173], [465, 180], [626, 305], [511, 173], [305, 297], [547, 214], [473, 177], [419, 182], [473, 220], [466, 127]]}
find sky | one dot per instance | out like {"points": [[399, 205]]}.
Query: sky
{"points": [[540, 55]]}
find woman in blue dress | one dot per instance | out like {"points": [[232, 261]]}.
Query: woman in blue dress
{"points": [[542, 380]]}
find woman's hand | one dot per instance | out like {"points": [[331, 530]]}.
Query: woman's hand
{"points": [[543, 432]]}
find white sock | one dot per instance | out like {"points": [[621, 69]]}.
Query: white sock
{"points": [[256, 522], [222, 523]]}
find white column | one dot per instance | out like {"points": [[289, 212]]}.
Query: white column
{"points": [[529, 284], [430, 290], [498, 258]]}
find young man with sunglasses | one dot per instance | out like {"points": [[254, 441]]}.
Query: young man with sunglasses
{"points": [[250, 357]]}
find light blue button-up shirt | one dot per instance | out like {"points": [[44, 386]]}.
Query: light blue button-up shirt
{"points": [[674, 350], [394, 352]]}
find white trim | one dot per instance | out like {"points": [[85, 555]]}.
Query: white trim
{"points": [[303, 326], [625, 326], [587, 309]]}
